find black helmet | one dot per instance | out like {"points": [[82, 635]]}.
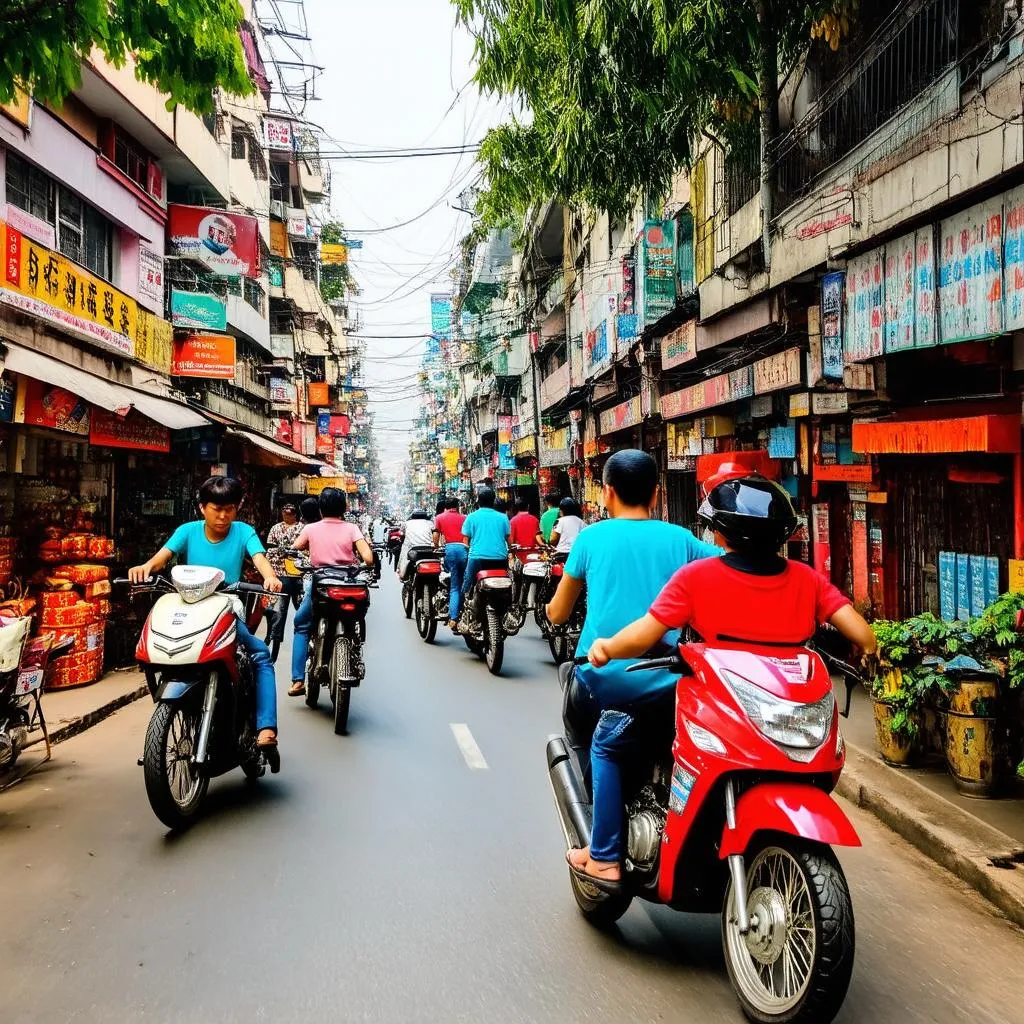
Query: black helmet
{"points": [[753, 514], [569, 507], [419, 513]]}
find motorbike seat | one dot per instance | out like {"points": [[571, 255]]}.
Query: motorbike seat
{"points": [[420, 554]]}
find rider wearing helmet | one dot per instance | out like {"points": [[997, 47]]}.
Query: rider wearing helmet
{"points": [[751, 594], [419, 533]]}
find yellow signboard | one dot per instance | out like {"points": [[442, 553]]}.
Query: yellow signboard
{"points": [[19, 109], [318, 484], [279, 239], [51, 287], [1016, 576], [154, 342], [332, 255]]}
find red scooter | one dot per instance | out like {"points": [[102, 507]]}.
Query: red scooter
{"points": [[729, 811]]}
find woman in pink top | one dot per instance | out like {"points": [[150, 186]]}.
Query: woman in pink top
{"points": [[332, 541]]}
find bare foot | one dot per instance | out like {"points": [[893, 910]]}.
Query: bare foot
{"points": [[609, 871]]}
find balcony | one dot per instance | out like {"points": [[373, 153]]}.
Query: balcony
{"points": [[554, 387], [248, 191], [247, 379], [199, 146], [247, 312], [314, 179]]}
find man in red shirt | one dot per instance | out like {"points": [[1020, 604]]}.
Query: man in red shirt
{"points": [[525, 526], [448, 531], [749, 595]]}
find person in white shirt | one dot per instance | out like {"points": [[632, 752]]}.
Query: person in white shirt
{"points": [[419, 533], [568, 527]]}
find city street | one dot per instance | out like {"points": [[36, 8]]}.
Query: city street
{"points": [[391, 876]]}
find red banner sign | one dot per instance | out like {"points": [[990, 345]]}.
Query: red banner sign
{"points": [[228, 243], [109, 430], [46, 406], [204, 355]]}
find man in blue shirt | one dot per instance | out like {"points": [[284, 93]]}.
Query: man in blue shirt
{"points": [[218, 541], [624, 561], [485, 532]]}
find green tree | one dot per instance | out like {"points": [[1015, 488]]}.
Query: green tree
{"points": [[334, 277], [613, 94], [186, 48]]}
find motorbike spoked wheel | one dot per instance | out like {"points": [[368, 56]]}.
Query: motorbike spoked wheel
{"points": [[341, 674], [494, 642], [426, 622], [599, 908], [175, 786], [540, 616], [794, 965], [515, 619], [558, 642]]}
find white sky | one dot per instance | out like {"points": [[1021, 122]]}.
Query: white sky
{"points": [[393, 68]]}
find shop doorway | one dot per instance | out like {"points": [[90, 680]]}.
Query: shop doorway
{"points": [[681, 492]]}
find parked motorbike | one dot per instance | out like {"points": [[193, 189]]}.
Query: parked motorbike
{"points": [[201, 680], [731, 812], [483, 614], [341, 599]]}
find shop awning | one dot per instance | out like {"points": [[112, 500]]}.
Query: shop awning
{"points": [[272, 447], [102, 393], [988, 434]]}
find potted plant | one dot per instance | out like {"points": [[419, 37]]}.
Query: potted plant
{"points": [[895, 694]]}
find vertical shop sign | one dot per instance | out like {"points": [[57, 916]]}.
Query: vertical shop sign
{"points": [[830, 323], [899, 294], [151, 278], [865, 307], [947, 585], [627, 305], [1013, 259], [659, 269], [441, 316], [859, 553], [154, 342], [924, 288], [506, 460], [821, 537], [324, 441], [970, 274], [596, 350]]}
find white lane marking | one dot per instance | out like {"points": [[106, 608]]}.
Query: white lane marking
{"points": [[470, 751]]}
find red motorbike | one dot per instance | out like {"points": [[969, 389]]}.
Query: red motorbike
{"points": [[729, 811]]}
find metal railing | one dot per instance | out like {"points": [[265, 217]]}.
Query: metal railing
{"points": [[743, 171], [910, 51]]}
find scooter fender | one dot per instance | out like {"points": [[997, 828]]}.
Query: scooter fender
{"points": [[176, 691], [793, 808]]}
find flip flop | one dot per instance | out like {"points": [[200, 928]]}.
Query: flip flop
{"points": [[300, 692], [271, 753], [609, 886]]}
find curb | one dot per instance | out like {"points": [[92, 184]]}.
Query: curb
{"points": [[987, 859], [91, 718]]}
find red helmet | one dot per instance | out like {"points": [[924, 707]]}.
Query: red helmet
{"points": [[726, 471]]}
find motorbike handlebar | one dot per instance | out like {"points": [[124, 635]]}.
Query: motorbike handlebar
{"points": [[673, 662]]}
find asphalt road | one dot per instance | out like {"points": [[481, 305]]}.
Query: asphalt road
{"points": [[382, 878]]}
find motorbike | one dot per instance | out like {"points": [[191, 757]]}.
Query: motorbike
{"points": [[202, 683], [396, 536], [427, 586], [729, 810], [528, 570], [341, 599], [481, 622], [563, 640]]}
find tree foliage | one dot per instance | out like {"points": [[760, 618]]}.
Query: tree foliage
{"points": [[613, 94], [334, 277], [185, 48]]}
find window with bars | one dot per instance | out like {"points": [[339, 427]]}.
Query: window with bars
{"points": [[130, 158], [237, 145], [83, 233]]}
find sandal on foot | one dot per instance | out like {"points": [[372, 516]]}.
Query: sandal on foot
{"points": [[297, 690], [610, 886]]}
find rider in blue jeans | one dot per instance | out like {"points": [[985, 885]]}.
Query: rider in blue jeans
{"points": [[448, 528], [218, 541]]}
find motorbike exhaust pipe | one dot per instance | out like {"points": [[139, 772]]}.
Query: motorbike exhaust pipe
{"points": [[571, 799]]}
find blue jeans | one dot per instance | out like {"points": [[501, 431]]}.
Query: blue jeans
{"points": [[300, 642], [475, 564], [455, 558], [263, 673]]}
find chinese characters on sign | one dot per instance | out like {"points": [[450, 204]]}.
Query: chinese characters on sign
{"points": [[151, 278], [832, 326], [970, 274], [131, 431], [865, 307], [1013, 260], [204, 355], [659, 267], [278, 133], [154, 342], [782, 370], [53, 288]]}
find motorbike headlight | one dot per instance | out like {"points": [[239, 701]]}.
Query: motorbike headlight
{"points": [[196, 582], [785, 722]]}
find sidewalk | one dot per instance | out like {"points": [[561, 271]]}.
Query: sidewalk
{"points": [[979, 841], [69, 712]]}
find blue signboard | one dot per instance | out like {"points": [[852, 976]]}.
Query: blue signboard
{"points": [[963, 588], [832, 325], [947, 585]]}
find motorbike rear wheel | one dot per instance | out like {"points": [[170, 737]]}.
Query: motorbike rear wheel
{"points": [[794, 967], [408, 600], [341, 674], [494, 642], [175, 786], [599, 908], [426, 621]]}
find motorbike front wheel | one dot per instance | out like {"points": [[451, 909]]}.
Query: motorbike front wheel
{"points": [[559, 644], [426, 621], [341, 675], [794, 965], [494, 642], [174, 784]]}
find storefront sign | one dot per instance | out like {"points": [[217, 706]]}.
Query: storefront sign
{"points": [[1013, 260], [621, 417], [441, 315], [341, 425], [204, 355], [227, 243], [198, 310], [865, 307], [279, 247], [332, 255], [782, 370], [971, 274], [860, 474], [782, 442], [506, 460], [318, 393], [720, 390], [659, 265], [324, 440], [679, 346], [991, 434], [278, 133], [821, 539], [925, 332], [297, 223], [830, 403], [282, 392], [36, 229], [859, 377], [154, 341], [596, 350], [319, 484], [51, 287], [829, 320], [799, 405], [1016, 570], [151, 277], [108, 430], [41, 405], [899, 294]]}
